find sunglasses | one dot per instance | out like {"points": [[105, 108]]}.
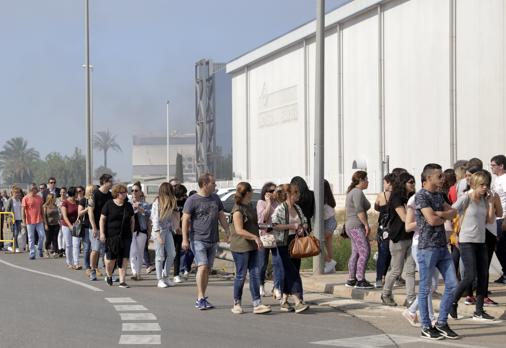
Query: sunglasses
{"points": [[271, 191], [135, 190], [52, 182], [411, 182], [79, 191]]}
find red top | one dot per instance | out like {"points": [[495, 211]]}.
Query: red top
{"points": [[71, 212], [452, 194], [33, 209]]}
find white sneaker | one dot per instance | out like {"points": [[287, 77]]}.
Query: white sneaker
{"points": [[17, 250], [162, 284], [9, 248], [262, 291], [330, 267], [169, 282], [185, 275], [277, 294], [177, 279]]}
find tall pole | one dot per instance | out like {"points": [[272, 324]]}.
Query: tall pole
{"points": [[89, 144], [168, 138], [319, 130]]}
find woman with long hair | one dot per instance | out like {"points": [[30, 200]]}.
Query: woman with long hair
{"points": [[400, 241], [289, 220], [330, 225], [82, 212], [477, 209], [357, 228], [116, 228], [265, 208], [69, 217], [140, 235], [245, 243], [61, 239], [165, 220], [51, 225]]}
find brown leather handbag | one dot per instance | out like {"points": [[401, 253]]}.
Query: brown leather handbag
{"points": [[305, 246]]}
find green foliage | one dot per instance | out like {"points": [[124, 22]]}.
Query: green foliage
{"points": [[68, 170], [18, 161], [105, 141]]}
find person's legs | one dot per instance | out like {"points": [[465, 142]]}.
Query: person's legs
{"points": [[170, 252], [86, 248], [292, 284], [41, 233], [500, 250], [122, 267], [178, 241], [134, 253], [277, 269], [241, 267], [61, 240], [469, 261], [447, 270], [328, 246], [397, 250], [482, 275], [16, 229], [76, 248], [159, 258], [47, 240], [352, 262], [30, 229], [427, 260], [253, 266], [67, 237], [383, 254], [296, 262], [410, 269], [263, 258], [109, 266], [55, 229]]}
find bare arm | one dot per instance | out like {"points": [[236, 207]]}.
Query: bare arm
{"points": [[91, 217], [186, 235], [497, 205], [448, 213], [102, 221], [224, 222], [65, 217], [410, 223], [81, 211], [362, 216], [431, 217]]}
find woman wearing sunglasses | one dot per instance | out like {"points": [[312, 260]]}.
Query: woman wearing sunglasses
{"points": [[140, 236]]}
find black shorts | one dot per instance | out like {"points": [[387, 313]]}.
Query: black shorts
{"points": [[117, 248]]}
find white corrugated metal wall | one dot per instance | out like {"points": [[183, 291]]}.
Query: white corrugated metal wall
{"points": [[408, 43]]}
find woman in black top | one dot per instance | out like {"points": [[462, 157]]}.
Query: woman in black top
{"points": [[400, 240], [116, 228]]}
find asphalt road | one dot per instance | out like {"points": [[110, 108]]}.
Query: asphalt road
{"points": [[39, 310]]}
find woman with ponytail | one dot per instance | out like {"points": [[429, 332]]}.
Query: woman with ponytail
{"points": [[357, 228]]}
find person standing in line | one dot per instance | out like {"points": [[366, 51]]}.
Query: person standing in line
{"points": [[381, 206], [69, 208], [245, 244], [100, 196], [14, 206], [117, 225], [140, 236], [265, 208], [357, 228], [203, 210], [180, 194], [52, 225], [61, 239], [51, 188], [165, 221], [306, 202], [400, 241], [330, 225], [86, 225], [32, 213], [431, 213], [498, 168]]}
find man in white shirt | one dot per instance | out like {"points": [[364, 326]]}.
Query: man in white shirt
{"points": [[498, 166]]}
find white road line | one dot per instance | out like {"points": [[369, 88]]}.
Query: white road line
{"points": [[137, 316], [75, 282], [140, 339], [140, 327], [127, 308], [120, 300]]}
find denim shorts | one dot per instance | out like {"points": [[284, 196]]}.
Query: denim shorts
{"points": [[204, 252], [96, 244], [330, 225]]}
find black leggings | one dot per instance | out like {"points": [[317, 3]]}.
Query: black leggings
{"points": [[52, 238], [178, 241], [475, 259]]}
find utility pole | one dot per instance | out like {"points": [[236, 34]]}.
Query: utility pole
{"points": [[319, 131], [87, 108], [168, 138]]}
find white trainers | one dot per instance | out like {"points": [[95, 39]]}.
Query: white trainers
{"points": [[185, 275], [9, 248], [276, 293], [169, 282], [177, 279], [262, 291], [162, 284], [330, 267]]}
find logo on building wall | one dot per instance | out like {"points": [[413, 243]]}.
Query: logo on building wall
{"points": [[277, 107]]}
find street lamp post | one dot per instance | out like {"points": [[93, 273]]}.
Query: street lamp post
{"points": [[89, 143], [319, 131], [168, 138]]}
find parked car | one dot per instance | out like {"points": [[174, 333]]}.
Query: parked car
{"points": [[228, 199]]}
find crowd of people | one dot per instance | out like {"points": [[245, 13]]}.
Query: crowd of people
{"points": [[449, 228]]}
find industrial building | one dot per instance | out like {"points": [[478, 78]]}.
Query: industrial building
{"points": [[407, 82]]}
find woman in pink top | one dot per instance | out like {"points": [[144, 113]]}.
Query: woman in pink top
{"points": [[265, 209], [31, 211]]}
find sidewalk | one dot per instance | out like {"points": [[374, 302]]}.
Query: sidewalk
{"points": [[334, 284]]}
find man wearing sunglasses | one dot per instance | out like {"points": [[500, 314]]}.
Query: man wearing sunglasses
{"points": [[51, 188]]}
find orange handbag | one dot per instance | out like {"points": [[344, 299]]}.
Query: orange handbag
{"points": [[305, 246]]}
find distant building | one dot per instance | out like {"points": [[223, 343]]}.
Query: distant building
{"points": [[149, 156]]}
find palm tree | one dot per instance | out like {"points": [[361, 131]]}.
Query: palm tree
{"points": [[17, 161], [105, 141]]}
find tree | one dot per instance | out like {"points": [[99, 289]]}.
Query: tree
{"points": [[17, 161], [179, 167], [103, 170], [105, 141]]}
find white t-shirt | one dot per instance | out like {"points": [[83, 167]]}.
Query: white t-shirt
{"points": [[16, 207], [499, 187]]}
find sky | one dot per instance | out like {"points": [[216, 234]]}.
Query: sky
{"points": [[143, 53]]}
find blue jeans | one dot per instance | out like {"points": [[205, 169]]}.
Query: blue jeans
{"points": [[87, 247], [428, 260], [31, 228], [291, 284], [185, 264], [16, 230], [384, 258], [164, 254], [204, 252], [244, 262], [277, 268]]}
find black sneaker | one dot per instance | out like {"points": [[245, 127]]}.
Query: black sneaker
{"points": [[483, 316], [388, 300], [351, 283], [500, 280], [108, 280], [364, 284], [453, 311], [446, 331], [431, 333], [123, 285]]}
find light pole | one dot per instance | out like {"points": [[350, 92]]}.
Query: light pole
{"points": [[319, 131], [89, 143], [168, 138]]}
